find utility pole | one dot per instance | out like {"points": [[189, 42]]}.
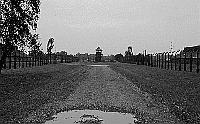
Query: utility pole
{"points": [[171, 47]]}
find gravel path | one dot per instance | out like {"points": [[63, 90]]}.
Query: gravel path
{"points": [[106, 90]]}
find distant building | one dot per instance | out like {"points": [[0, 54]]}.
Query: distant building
{"points": [[128, 55], [99, 54], [192, 49], [109, 58], [82, 57], [91, 57]]}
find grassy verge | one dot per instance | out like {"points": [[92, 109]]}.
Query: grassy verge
{"points": [[24, 90], [180, 91]]}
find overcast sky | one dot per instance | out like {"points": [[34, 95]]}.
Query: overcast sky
{"points": [[83, 25]]}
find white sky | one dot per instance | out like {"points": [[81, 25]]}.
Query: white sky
{"points": [[83, 25]]}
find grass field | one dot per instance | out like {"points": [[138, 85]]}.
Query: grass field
{"points": [[178, 90], [24, 90]]}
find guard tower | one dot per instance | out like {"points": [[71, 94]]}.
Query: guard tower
{"points": [[130, 49], [98, 54], [129, 55]]}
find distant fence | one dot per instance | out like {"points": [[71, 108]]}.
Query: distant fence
{"points": [[177, 60], [19, 59]]}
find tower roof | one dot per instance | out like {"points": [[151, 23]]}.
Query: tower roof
{"points": [[99, 49]]}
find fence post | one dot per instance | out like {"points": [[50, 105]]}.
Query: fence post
{"points": [[19, 59], [139, 59], [175, 61], [165, 60], [162, 64], [23, 60], [180, 61], [41, 60], [151, 60], [168, 60], [15, 60], [159, 60], [35, 58], [171, 61], [28, 61], [50, 57], [61, 58], [156, 60], [10, 60], [191, 62], [185, 55], [197, 61], [38, 60], [146, 58], [45, 59], [4, 65], [142, 59], [159, 57], [56, 58], [32, 60]]}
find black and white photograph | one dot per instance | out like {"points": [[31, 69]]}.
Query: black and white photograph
{"points": [[99, 61]]}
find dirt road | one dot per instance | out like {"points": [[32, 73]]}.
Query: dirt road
{"points": [[106, 90]]}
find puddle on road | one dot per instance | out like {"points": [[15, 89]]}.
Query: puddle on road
{"points": [[92, 117]]}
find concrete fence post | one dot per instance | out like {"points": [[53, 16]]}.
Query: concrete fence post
{"points": [[185, 58], [180, 61], [191, 62], [197, 61]]}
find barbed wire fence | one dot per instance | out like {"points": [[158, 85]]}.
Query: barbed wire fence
{"points": [[176, 60], [19, 59]]}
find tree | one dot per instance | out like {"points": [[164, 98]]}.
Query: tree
{"points": [[50, 45], [119, 57], [35, 45], [18, 21]]}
